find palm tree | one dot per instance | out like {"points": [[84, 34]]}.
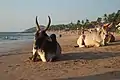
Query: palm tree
{"points": [[86, 24], [78, 22], [99, 19], [82, 23], [111, 17], [105, 18], [87, 21], [117, 17]]}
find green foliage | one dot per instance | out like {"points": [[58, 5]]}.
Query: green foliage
{"points": [[105, 18], [78, 22], [99, 19], [113, 17]]}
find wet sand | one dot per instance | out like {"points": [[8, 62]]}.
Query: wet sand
{"points": [[101, 63], [10, 47]]}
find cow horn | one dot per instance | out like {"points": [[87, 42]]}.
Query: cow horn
{"points": [[110, 25], [38, 26], [48, 23]]}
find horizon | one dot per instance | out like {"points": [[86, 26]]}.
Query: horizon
{"points": [[16, 16]]}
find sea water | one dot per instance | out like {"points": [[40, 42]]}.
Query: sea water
{"points": [[13, 36], [10, 41]]}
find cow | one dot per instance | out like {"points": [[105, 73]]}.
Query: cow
{"points": [[45, 46], [94, 37], [109, 27]]}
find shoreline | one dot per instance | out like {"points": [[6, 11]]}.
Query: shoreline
{"points": [[8, 47]]}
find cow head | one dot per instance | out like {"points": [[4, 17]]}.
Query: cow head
{"points": [[41, 35], [104, 35]]}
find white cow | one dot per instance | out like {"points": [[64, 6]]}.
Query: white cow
{"points": [[93, 38]]}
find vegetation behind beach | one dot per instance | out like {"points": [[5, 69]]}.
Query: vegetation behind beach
{"points": [[106, 18]]}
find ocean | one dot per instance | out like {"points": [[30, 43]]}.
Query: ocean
{"points": [[11, 41], [14, 36]]}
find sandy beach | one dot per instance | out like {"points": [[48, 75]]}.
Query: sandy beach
{"points": [[93, 63]]}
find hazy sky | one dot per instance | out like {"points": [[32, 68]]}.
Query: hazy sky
{"points": [[17, 15]]}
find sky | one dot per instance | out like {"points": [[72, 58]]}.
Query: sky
{"points": [[18, 15]]}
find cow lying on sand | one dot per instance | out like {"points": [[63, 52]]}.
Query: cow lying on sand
{"points": [[46, 47], [93, 38]]}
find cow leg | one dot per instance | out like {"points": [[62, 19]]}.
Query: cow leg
{"points": [[83, 38], [97, 44], [81, 42], [42, 55], [109, 38], [34, 55], [104, 42], [34, 51]]}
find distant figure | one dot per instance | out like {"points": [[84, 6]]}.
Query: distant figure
{"points": [[6, 37], [60, 35]]}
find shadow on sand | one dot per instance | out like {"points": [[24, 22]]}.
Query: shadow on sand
{"points": [[114, 75], [91, 55], [88, 55], [117, 42]]}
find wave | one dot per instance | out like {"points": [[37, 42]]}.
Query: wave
{"points": [[7, 36]]}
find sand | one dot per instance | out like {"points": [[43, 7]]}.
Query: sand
{"points": [[93, 63]]}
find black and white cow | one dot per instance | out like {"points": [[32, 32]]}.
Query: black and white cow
{"points": [[45, 46]]}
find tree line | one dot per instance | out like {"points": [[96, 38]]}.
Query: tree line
{"points": [[106, 18]]}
